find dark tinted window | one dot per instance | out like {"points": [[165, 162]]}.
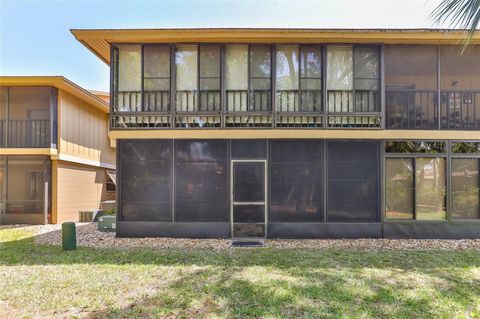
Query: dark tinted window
{"points": [[145, 180], [352, 182], [296, 181], [201, 181]]}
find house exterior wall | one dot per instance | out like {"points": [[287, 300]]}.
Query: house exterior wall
{"points": [[79, 187], [77, 157], [329, 87], [83, 132]]}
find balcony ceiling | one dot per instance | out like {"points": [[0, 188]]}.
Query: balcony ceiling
{"points": [[98, 40]]}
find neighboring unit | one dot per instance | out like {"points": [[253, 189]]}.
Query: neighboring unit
{"points": [[55, 155], [291, 133]]}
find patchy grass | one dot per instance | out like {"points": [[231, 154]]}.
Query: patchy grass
{"points": [[44, 281]]}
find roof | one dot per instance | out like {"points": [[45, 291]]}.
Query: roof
{"points": [[58, 82], [98, 40]]}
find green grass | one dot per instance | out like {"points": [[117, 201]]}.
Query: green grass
{"points": [[44, 281]]}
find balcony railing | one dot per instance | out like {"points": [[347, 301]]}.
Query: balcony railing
{"points": [[460, 110], [202, 109], [418, 109], [25, 133]]}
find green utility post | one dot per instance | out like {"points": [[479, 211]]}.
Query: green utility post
{"points": [[69, 236]]}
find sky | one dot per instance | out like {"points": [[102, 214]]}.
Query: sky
{"points": [[35, 36]]}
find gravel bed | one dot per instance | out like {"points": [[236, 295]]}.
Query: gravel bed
{"points": [[88, 235]]}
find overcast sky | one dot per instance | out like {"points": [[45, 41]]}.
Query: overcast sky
{"points": [[35, 37]]}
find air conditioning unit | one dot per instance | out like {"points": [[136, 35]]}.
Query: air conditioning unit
{"points": [[107, 223]]}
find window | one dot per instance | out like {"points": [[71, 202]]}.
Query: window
{"points": [[416, 185], [210, 78], [415, 147], [201, 184], [415, 188], [260, 78], [466, 147], [353, 171], [298, 78], [156, 78], [465, 192], [129, 79], [236, 77], [399, 188], [287, 85], [186, 63], [296, 181], [353, 81], [110, 181], [340, 79], [146, 180], [430, 188], [310, 78]]}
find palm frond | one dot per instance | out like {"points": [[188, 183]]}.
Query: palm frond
{"points": [[462, 14]]}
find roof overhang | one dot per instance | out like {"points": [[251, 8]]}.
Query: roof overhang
{"points": [[98, 40], [59, 82]]}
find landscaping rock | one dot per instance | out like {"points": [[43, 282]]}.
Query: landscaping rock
{"points": [[89, 236]]}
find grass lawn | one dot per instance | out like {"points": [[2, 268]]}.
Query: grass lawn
{"points": [[44, 281]]}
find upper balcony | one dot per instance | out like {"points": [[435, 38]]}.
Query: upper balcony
{"points": [[28, 117], [181, 86]]}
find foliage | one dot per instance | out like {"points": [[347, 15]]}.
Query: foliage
{"points": [[464, 14]]}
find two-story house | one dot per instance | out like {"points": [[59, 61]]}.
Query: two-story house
{"points": [[55, 154], [294, 133]]}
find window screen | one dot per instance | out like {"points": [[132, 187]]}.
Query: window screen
{"points": [[352, 182], [201, 184], [145, 180], [296, 181], [411, 81], [249, 149]]}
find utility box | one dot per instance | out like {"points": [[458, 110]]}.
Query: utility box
{"points": [[107, 223]]}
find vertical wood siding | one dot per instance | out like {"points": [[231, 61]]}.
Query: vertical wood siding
{"points": [[83, 130]]}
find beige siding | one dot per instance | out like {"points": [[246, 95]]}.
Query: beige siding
{"points": [[79, 187], [83, 130]]}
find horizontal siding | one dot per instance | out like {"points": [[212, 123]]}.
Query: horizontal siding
{"points": [[79, 187]]}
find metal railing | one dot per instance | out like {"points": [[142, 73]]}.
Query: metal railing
{"points": [[460, 110], [202, 109], [25, 133], [419, 109]]}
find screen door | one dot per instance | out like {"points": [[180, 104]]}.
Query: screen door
{"points": [[248, 198]]}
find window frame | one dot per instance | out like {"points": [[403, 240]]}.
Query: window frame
{"points": [[448, 155]]}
